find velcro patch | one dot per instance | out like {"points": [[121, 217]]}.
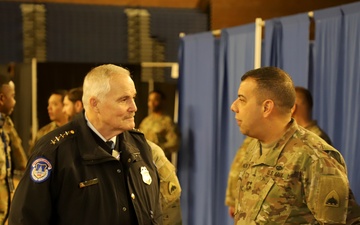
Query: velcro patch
{"points": [[40, 170]]}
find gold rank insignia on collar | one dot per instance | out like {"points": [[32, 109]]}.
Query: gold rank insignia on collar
{"points": [[61, 136]]}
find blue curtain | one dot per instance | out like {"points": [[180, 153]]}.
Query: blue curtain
{"points": [[210, 72], [197, 123], [336, 82], [236, 57], [287, 46], [350, 141], [327, 68]]}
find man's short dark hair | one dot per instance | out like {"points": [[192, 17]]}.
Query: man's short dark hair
{"points": [[4, 79], [60, 92], [162, 95], [75, 94]]}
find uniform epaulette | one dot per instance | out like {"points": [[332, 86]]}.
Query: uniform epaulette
{"points": [[136, 130], [61, 136]]}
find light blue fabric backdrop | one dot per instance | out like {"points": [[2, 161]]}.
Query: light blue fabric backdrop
{"points": [[336, 82], [287, 46], [350, 139], [210, 75], [197, 123]]}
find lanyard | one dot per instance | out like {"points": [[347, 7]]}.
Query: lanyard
{"points": [[9, 179]]}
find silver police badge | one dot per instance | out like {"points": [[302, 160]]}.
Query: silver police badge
{"points": [[145, 175]]}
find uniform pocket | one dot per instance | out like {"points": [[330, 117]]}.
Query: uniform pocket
{"points": [[261, 198]]}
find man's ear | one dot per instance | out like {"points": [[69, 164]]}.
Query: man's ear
{"points": [[2, 96], [94, 104], [293, 109], [267, 107], [78, 105]]}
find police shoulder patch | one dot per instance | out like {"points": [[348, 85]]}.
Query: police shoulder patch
{"points": [[40, 170]]}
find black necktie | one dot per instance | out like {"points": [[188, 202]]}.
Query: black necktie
{"points": [[111, 144], [113, 152]]}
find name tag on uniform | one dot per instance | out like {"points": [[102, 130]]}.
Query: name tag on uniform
{"points": [[88, 183]]}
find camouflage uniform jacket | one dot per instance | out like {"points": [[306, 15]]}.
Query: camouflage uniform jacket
{"points": [[170, 189], [18, 154], [231, 189], [44, 130], [5, 172], [294, 183], [313, 127], [162, 131]]}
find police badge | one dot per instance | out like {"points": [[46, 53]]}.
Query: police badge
{"points": [[145, 175]]}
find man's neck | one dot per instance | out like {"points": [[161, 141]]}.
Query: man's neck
{"points": [[275, 131]]}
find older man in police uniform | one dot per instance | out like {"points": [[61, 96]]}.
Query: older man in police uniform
{"points": [[96, 169]]}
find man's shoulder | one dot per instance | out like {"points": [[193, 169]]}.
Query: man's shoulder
{"points": [[56, 137], [135, 132], [310, 144], [47, 128]]}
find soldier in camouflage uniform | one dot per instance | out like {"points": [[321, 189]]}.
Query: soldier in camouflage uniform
{"points": [[302, 113], [158, 127], [56, 115], [231, 190], [18, 154], [11, 150], [170, 189], [286, 176]]}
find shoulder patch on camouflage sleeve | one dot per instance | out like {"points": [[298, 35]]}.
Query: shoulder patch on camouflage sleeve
{"points": [[332, 199]]}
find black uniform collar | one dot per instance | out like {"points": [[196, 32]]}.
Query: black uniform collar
{"points": [[93, 149]]}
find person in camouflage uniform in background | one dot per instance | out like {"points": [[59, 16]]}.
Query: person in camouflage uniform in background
{"points": [[170, 189], [12, 154], [302, 113], [231, 188], [286, 177], [56, 115], [158, 127]]}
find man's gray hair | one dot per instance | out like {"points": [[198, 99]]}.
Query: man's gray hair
{"points": [[97, 82]]}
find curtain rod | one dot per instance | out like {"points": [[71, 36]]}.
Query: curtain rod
{"points": [[218, 31]]}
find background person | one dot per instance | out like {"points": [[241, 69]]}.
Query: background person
{"points": [[159, 127], [302, 113], [170, 189], [12, 154], [73, 102], [233, 177], [56, 115]]}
